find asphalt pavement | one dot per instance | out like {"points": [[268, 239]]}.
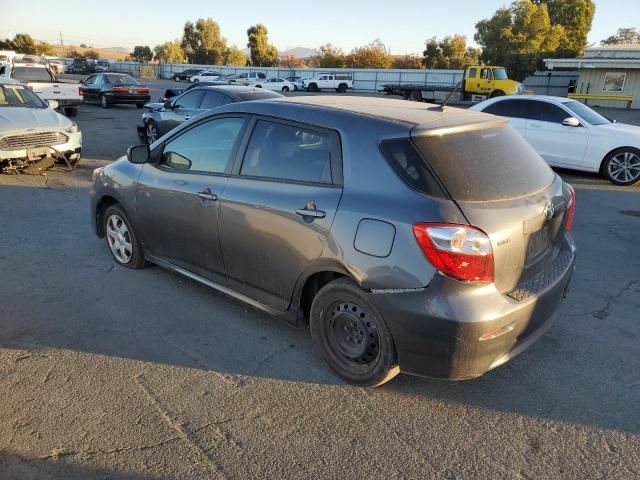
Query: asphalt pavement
{"points": [[111, 373]]}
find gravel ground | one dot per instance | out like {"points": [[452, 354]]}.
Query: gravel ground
{"points": [[111, 373]]}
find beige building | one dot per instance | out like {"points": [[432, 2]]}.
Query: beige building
{"points": [[606, 70]]}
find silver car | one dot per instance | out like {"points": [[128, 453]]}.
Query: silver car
{"points": [[33, 136], [432, 241]]}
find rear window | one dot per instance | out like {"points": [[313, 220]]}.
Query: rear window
{"points": [[31, 74], [257, 95], [486, 164]]}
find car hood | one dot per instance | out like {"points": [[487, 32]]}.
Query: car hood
{"points": [[620, 128], [19, 118], [154, 106]]}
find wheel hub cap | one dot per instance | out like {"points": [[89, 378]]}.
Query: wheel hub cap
{"points": [[119, 239], [354, 335]]}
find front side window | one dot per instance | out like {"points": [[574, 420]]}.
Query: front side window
{"points": [[190, 100], [205, 148], [500, 74], [546, 112], [586, 113], [286, 152]]}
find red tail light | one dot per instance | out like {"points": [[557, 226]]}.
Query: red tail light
{"points": [[142, 90], [459, 251], [80, 91], [120, 90], [571, 208]]}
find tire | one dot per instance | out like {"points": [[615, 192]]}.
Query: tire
{"points": [[415, 96], [285, 89], [313, 87], [622, 166], [139, 105], [121, 239], [257, 86], [351, 336], [70, 111], [151, 132], [176, 78], [342, 88], [196, 80], [497, 93], [103, 101]]}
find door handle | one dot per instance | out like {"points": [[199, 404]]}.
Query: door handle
{"points": [[187, 117], [207, 194], [535, 125], [310, 211]]}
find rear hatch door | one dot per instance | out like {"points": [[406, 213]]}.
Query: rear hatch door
{"points": [[503, 187]]}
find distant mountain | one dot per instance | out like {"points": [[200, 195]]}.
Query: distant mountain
{"points": [[300, 52]]}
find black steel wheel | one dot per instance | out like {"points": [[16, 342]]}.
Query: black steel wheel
{"points": [[351, 336]]}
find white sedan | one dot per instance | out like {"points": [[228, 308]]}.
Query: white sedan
{"points": [[276, 84], [206, 76], [569, 134]]}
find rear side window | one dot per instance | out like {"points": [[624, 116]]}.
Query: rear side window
{"points": [[410, 166], [212, 99], [508, 108], [290, 153], [485, 164]]}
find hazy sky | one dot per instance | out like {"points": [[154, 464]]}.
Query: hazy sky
{"points": [[403, 25]]}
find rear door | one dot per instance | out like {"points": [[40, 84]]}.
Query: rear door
{"points": [[504, 188], [277, 209], [177, 197], [558, 144], [514, 110]]}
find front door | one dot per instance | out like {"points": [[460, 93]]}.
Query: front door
{"points": [[177, 200], [276, 211], [183, 108], [558, 144]]}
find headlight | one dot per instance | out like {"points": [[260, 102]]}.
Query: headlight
{"points": [[95, 173], [72, 129]]}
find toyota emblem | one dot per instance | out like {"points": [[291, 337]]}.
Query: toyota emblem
{"points": [[549, 210]]}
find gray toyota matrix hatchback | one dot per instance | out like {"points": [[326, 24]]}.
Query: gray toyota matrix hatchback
{"points": [[410, 238]]}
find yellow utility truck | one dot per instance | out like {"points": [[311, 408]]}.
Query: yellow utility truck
{"points": [[479, 83]]}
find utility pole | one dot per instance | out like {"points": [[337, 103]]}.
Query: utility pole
{"points": [[61, 42]]}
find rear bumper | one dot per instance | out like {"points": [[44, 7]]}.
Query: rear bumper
{"points": [[438, 330], [127, 98]]}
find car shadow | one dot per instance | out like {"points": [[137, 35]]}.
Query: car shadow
{"points": [[61, 290]]}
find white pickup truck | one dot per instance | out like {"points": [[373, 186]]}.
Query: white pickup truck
{"points": [[338, 82], [43, 82]]}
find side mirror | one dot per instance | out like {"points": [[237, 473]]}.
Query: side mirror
{"points": [[138, 154], [168, 104], [52, 104], [571, 122]]}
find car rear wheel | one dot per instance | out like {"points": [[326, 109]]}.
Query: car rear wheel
{"points": [[152, 132], [285, 89], [121, 239], [351, 336], [622, 167], [342, 88], [103, 101], [176, 78]]}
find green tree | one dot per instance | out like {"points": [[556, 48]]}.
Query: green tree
{"points": [[24, 44], [329, 57], [575, 16], [263, 54], [44, 48], [92, 54], [7, 44], [622, 37], [169, 52], [372, 55], [141, 54], [234, 56], [519, 37], [451, 52], [291, 61], [432, 55], [203, 43], [407, 62]]}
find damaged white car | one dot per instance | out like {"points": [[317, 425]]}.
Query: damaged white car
{"points": [[33, 136]]}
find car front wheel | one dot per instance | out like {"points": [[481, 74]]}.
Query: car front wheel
{"points": [[351, 336], [622, 166], [121, 239]]}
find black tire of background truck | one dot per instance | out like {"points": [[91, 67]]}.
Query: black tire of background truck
{"points": [[496, 93], [342, 87], [313, 87], [415, 96]]}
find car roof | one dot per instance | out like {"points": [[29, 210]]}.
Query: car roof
{"points": [[229, 88], [428, 117], [549, 98]]}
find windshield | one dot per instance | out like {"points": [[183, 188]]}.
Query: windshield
{"points": [[500, 74], [120, 79], [103, 63], [19, 96], [485, 164], [584, 112], [31, 74]]}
